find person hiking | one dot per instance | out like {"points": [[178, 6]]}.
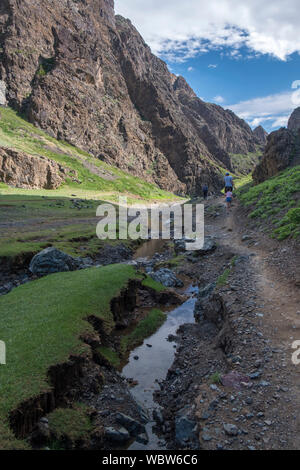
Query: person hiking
{"points": [[228, 199], [228, 180], [205, 191]]}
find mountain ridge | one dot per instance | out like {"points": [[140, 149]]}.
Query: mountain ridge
{"points": [[87, 77]]}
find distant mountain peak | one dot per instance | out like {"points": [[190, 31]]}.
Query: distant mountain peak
{"points": [[261, 134]]}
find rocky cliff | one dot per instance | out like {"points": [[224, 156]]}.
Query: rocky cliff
{"points": [[86, 76], [261, 135], [294, 121], [30, 172], [282, 150]]}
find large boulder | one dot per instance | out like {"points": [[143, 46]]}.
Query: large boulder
{"points": [[133, 426], [51, 261]]}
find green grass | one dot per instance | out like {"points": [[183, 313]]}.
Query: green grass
{"points": [[157, 286], [173, 262], [215, 378], [109, 355], [73, 423], [41, 323], [223, 278], [37, 222], [279, 197], [17, 133], [144, 329], [289, 225]]}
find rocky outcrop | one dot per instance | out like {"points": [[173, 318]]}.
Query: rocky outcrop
{"points": [[87, 77], [26, 171], [2, 93], [261, 135], [282, 150], [294, 121]]}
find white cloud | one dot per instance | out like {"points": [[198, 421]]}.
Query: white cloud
{"points": [[212, 66], [191, 69], [177, 31], [218, 99], [273, 109], [281, 121]]}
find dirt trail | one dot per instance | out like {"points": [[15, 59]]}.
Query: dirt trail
{"points": [[280, 300], [257, 280]]}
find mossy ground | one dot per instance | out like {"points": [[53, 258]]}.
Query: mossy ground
{"points": [[71, 423], [275, 202], [41, 324], [149, 282]]}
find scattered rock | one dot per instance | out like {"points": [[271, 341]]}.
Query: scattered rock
{"points": [[166, 277], [234, 380], [185, 428], [142, 438], [158, 417], [133, 426], [119, 436], [231, 429]]}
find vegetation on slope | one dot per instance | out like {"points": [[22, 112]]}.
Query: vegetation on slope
{"points": [[41, 323], [275, 202], [17, 133], [244, 164]]}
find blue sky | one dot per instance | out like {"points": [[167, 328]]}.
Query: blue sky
{"points": [[242, 55]]}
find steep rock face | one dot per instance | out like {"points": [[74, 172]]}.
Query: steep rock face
{"points": [[261, 135], [26, 171], [87, 77], [281, 151], [294, 121]]}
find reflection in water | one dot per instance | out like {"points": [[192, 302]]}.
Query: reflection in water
{"points": [[149, 248], [154, 362]]}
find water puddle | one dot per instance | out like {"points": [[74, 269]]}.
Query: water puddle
{"points": [[156, 355], [150, 248]]}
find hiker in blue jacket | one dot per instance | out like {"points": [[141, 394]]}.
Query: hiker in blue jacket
{"points": [[228, 180]]}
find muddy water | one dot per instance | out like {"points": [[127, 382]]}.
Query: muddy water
{"points": [[153, 364], [150, 248]]}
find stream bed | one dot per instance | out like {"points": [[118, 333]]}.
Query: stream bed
{"points": [[155, 357]]}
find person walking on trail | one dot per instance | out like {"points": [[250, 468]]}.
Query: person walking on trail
{"points": [[205, 191], [228, 200], [228, 180]]}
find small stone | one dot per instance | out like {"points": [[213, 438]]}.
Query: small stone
{"points": [[142, 439], [117, 435], [231, 429]]}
